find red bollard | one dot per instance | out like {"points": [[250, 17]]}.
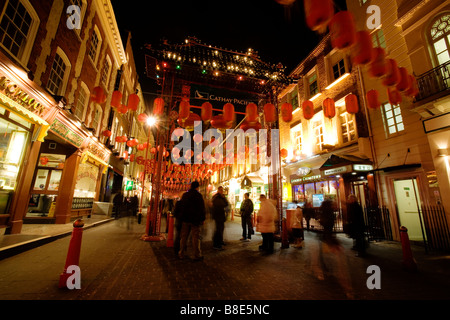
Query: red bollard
{"points": [[408, 260], [169, 242], [73, 255], [232, 215]]}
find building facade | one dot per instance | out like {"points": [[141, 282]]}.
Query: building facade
{"points": [[60, 63]]}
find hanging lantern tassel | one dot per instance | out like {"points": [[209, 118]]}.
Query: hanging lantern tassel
{"points": [[351, 104]]}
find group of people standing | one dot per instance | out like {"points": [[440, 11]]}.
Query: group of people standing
{"points": [[190, 214]]}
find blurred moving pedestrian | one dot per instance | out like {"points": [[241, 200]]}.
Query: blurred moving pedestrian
{"points": [[134, 204], [356, 224], [193, 216], [178, 223], [267, 216], [118, 204], [308, 213], [297, 227], [246, 217], [219, 203], [327, 218]]}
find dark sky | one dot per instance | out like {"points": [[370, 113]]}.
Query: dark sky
{"points": [[278, 33]]}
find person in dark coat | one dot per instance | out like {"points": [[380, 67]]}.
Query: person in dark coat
{"points": [[246, 217], [219, 203], [193, 216], [177, 214], [327, 218], [118, 204], [308, 213], [357, 225]]}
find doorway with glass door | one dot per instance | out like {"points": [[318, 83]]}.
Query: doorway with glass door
{"points": [[408, 203]]}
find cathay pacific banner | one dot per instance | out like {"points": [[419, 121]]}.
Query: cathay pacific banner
{"points": [[219, 97]]}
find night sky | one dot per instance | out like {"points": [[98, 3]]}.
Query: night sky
{"points": [[278, 33]]}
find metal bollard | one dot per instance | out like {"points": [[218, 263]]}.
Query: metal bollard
{"points": [[169, 242], [73, 254], [408, 260]]}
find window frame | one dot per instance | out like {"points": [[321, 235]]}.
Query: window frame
{"points": [[65, 79], [98, 47], [394, 117], [26, 49], [349, 118], [83, 87]]}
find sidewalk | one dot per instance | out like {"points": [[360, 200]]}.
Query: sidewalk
{"points": [[34, 235]]}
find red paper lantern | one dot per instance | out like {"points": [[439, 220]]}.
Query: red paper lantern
{"points": [[178, 132], [43, 160], [395, 98], [219, 122], [393, 73], [342, 30], [329, 108], [283, 153], [246, 125], [184, 111], [377, 67], [130, 143], [363, 50], [142, 117], [351, 104], [133, 102], [107, 133], [206, 114], [286, 112], [308, 109], [122, 109], [251, 112], [269, 113], [405, 81], [116, 99], [413, 91], [189, 122], [132, 157], [158, 106], [98, 95], [318, 13], [373, 99], [228, 112]]}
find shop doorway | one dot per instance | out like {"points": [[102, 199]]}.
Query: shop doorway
{"points": [[360, 190], [408, 208]]}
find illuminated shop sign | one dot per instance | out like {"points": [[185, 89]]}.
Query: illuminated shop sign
{"points": [[362, 167], [15, 93], [335, 171]]}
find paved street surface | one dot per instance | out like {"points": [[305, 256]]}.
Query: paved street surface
{"points": [[117, 265]]}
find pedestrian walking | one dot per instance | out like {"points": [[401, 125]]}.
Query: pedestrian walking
{"points": [[327, 218], [193, 216], [356, 224], [267, 216], [134, 204], [219, 203], [118, 204], [297, 228], [308, 213], [246, 211]]}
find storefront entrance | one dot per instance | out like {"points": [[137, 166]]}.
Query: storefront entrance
{"points": [[408, 208]]}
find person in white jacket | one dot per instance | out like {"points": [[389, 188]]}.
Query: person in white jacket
{"points": [[267, 216]]}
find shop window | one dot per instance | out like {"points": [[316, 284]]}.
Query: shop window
{"points": [[46, 184], [392, 118], [18, 26], [294, 99], [59, 74], [348, 131], [13, 140]]}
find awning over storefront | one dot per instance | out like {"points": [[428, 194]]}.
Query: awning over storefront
{"points": [[336, 165], [251, 181]]}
